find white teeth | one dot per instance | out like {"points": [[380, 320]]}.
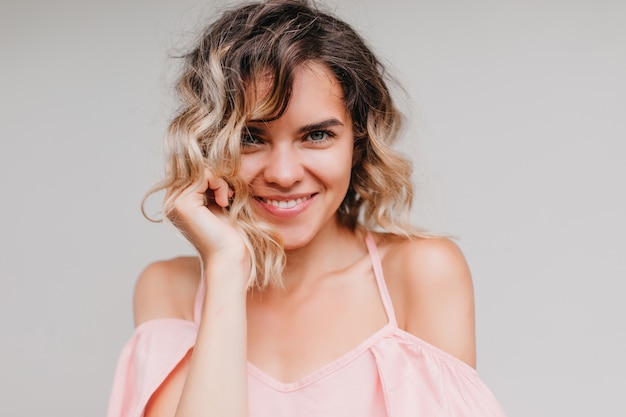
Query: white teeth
{"points": [[286, 204]]}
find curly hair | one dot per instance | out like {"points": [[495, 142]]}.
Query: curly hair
{"points": [[272, 39]]}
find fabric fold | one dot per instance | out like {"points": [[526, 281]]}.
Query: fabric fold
{"points": [[149, 356], [420, 380]]}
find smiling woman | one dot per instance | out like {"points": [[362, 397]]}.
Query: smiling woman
{"points": [[311, 294]]}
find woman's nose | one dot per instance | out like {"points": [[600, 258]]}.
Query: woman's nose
{"points": [[284, 167]]}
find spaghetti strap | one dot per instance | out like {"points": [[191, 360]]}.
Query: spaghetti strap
{"points": [[380, 278], [197, 306]]}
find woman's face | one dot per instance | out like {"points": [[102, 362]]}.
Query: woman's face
{"points": [[298, 166]]}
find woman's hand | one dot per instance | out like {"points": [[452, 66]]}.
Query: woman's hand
{"points": [[199, 214]]}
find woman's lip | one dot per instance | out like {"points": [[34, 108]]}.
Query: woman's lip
{"points": [[286, 206]]}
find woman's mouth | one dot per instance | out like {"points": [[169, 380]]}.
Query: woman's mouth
{"points": [[284, 204], [286, 207]]}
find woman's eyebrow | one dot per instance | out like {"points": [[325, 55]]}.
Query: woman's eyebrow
{"points": [[320, 125]]}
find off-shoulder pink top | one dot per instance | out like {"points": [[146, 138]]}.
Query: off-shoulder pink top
{"points": [[391, 374]]}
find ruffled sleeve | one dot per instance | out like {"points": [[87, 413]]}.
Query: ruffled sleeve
{"points": [[420, 380], [151, 354]]}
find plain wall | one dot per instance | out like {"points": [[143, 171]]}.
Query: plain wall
{"points": [[517, 125]]}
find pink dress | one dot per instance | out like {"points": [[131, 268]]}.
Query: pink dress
{"points": [[393, 373]]}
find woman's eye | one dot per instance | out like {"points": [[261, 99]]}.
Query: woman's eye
{"points": [[249, 139], [318, 136]]}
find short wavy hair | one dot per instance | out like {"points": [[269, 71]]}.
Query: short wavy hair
{"points": [[217, 87]]}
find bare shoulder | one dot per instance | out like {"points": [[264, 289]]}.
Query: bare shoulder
{"points": [[166, 289], [427, 261], [431, 288]]}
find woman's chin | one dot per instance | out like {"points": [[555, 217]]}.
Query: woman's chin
{"points": [[293, 244], [294, 241]]}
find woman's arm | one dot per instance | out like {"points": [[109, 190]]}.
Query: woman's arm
{"points": [[212, 379], [216, 382]]}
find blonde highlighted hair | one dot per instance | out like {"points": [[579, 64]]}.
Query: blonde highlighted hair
{"points": [[271, 40]]}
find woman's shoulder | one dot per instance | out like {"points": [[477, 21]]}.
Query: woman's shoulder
{"points": [[431, 288], [167, 289], [423, 260]]}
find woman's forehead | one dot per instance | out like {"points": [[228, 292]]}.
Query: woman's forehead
{"points": [[268, 100]]}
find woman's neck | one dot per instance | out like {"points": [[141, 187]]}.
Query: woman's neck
{"points": [[333, 249]]}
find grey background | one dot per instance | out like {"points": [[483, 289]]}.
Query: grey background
{"points": [[517, 128]]}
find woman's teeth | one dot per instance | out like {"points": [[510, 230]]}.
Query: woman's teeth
{"points": [[285, 204]]}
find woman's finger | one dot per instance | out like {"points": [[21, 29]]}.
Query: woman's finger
{"points": [[219, 187]]}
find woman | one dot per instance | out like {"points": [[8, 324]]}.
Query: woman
{"points": [[311, 294]]}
